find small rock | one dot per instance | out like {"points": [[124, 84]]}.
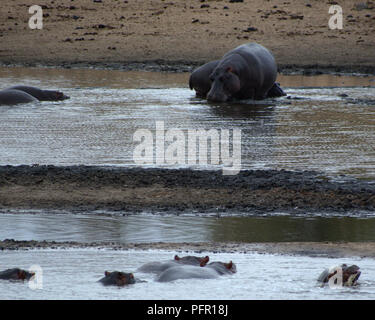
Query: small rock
{"points": [[250, 29]]}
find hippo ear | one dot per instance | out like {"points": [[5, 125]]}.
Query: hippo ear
{"points": [[131, 276], [176, 257], [107, 273], [228, 265]]}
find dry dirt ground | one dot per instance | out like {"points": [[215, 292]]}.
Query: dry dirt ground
{"points": [[102, 31]]}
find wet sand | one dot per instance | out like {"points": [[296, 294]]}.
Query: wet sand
{"points": [[174, 36], [131, 190], [312, 249]]}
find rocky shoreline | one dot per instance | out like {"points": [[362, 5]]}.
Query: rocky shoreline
{"points": [[312, 249], [176, 191]]}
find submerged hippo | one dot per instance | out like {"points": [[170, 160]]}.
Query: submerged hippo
{"points": [[158, 267], [26, 94], [117, 278], [350, 275], [223, 268], [16, 274], [210, 271], [248, 71]]}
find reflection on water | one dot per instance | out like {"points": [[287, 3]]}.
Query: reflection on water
{"points": [[328, 123], [147, 228]]}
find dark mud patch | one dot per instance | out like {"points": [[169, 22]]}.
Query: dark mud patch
{"points": [[89, 188], [180, 66], [311, 249]]}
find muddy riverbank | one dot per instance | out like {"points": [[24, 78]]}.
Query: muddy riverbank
{"points": [[169, 35], [131, 190], [312, 249]]}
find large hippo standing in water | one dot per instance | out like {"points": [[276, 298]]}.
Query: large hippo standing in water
{"points": [[25, 94], [246, 72]]}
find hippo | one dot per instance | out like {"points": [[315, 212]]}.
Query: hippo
{"points": [[16, 274], [158, 267], [210, 271], [223, 268], [11, 97], [25, 94], [117, 278], [248, 71], [350, 275], [200, 78]]}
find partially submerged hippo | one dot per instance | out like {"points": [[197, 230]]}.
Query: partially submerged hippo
{"points": [[350, 275], [246, 72], [158, 267], [16, 274], [210, 271], [25, 94], [117, 278]]}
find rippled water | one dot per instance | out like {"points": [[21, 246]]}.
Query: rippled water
{"points": [[171, 228], [259, 276], [318, 128]]}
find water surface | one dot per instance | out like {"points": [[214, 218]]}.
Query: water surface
{"points": [[171, 228], [259, 276], [328, 124]]}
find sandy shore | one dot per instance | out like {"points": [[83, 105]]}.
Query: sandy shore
{"points": [[312, 249], [101, 32], [130, 190]]}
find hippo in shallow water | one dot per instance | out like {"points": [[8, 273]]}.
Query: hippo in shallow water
{"points": [[350, 275], [11, 97], [158, 267], [210, 271], [248, 71], [26, 94], [16, 274], [117, 278]]}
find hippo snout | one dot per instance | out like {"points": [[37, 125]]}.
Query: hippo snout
{"points": [[217, 96]]}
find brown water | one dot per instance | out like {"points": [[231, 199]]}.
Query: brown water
{"points": [[317, 128]]}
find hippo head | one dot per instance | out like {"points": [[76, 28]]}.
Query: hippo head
{"points": [[52, 95], [231, 267], [192, 260], [118, 278], [25, 275], [225, 84], [350, 275]]}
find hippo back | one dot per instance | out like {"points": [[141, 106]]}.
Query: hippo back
{"points": [[186, 272], [12, 97]]}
